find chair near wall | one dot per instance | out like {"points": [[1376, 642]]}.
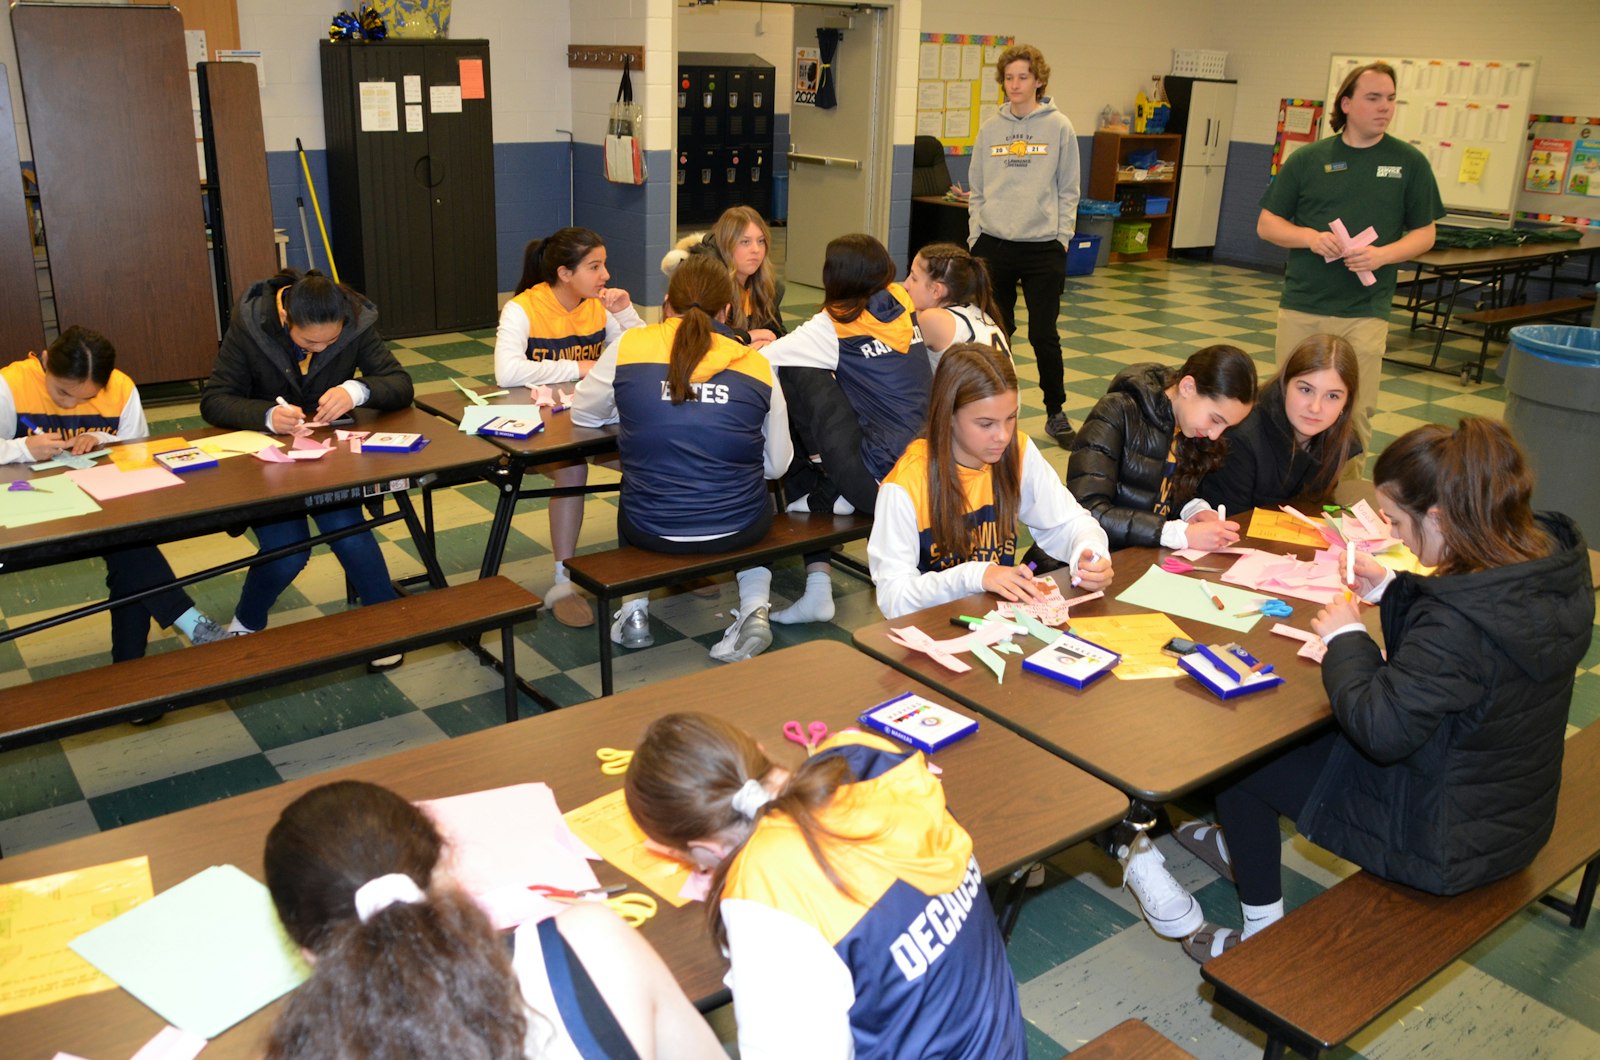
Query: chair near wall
{"points": [[933, 218], [930, 175]]}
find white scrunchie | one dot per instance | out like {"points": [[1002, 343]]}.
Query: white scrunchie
{"points": [[749, 799], [379, 894]]}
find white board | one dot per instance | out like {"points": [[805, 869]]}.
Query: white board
{"points": [[1467, 116]]}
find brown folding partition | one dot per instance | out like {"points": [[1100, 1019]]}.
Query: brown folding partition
{"points": [[236, 159], [21, 322], [107, 97]]}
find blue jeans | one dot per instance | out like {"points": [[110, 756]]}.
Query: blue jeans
{"points": [[358, 553]]}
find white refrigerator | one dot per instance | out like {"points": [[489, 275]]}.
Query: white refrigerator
{"points": [[1202, 110]]}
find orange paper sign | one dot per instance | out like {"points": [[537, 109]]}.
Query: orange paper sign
{"points": [[471, 78]]}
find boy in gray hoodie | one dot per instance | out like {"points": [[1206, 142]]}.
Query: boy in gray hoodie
{"points": [[1024, 209]]}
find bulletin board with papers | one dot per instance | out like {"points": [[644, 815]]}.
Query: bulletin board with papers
{"points": [[956, 86], [1468, 116], [1560, 182]]}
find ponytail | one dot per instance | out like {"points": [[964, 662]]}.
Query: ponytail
{"points": [[1478, 479], [311, 297], [964, 275], [543, 257], [687, 776], [699, 289]]}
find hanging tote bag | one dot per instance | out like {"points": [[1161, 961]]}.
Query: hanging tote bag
{"points": [[624, 132]]}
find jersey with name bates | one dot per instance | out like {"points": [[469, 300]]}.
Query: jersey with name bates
{"points": [[713, 441], [918, 940]]}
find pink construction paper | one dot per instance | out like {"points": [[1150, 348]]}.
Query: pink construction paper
{"points": [[1370, 520], [1266, 572], [271, 454], [171, 1043], [503, 840], [1365, 238], [306, 442], [345, 436], [1311, 646], [913, 638], [309, 454], [108, 482]]}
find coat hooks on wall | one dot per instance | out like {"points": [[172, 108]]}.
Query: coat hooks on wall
{"points": [[604, 56]]}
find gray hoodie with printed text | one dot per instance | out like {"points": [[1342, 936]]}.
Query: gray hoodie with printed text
{"points": [[1025, 177]]}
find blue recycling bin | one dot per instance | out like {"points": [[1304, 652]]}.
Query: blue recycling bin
{"points": [[1553, 408]]}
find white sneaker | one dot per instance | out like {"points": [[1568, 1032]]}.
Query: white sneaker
{"points": [[749, 636], [1171, 911], [631, 628]]}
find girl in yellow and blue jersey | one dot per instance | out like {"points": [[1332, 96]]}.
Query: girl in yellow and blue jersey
{"points": [[946, 521], [856, 378], [844, 891], [73, 399], [553, 330], [703, 426]]}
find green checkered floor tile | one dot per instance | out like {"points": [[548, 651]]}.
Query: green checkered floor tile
{"points": [[1081, 952]]}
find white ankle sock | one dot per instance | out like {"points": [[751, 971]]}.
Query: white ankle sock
{"points": [[755, 589], [814, 605], [186, 622], [239, 627], [843, 507], [1259, 917], [561, 573], [800, 504]]}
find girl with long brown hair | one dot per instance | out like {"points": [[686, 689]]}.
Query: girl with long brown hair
{"points": [[406, 965], [1300, 436], [703, 427], [950, 289], [946, 521], [1443, 771], [843, 890], [741, 241]]}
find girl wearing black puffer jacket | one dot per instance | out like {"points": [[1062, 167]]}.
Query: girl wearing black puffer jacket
{"points": [[1443, 771], [1139, 457]]}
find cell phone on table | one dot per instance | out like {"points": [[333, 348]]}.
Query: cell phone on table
{"points": [[1178, 647], [342, 421]]}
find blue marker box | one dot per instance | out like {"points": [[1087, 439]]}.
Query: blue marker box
{"points": [[923, 724], [1226, 671]]}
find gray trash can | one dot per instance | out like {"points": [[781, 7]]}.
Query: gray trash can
{"points": [[1553, 408], [1096, 217]]}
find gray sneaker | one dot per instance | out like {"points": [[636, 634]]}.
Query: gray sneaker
{"points": [[749, 636], [1059, 427], [631, 628], [206, 631]]}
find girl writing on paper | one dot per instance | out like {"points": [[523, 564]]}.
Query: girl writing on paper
{"points": [[703, 426], [405, 964], [552, 331], [294, 350], [947, 515], [1297, 440], [1141, 453], [1443, 770], [856, 380], [950, 289], [842, 891], [739, 241], [72, 399]]}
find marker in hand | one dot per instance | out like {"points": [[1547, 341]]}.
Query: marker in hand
{"points": [[33, 428], [282, 404], [1094, 554]]}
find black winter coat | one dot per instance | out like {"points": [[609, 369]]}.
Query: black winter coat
{"points": [[257, 363], [1264, 467], [1118, 458], [1445, 773]]}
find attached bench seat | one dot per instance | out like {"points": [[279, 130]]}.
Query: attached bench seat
{"points": [[1318, 976], [1131, 1040], [622, 571], [91, 699], [1497, 323]]}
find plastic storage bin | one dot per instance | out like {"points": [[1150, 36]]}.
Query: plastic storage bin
{"points": [[1553, 408], [1157, 204], [1083, 253], [1131, 237], [1097, 217]]}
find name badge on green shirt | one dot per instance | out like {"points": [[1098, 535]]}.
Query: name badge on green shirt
{"points": [[1335, 167]]}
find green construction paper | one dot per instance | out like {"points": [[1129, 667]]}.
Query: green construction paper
{"points": [[1034, 627], [1186, 597], [77, 463], [1008, 647], [204, 954], [55, 497], [996, 665], [475, 416]]}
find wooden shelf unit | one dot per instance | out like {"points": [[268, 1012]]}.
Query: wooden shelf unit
{"points": [[1111, 150]]}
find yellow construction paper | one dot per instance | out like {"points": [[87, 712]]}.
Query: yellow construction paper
{"points": [[39, 917], [236, 443], [609, 829], [1281, 526], [1138, 639], [135, 456], [1473, 162]]}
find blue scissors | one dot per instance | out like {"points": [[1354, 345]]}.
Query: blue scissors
{"points": [[1270, 608]]}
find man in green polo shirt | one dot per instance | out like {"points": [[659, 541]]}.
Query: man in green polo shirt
{"points": [[1362, 177]]}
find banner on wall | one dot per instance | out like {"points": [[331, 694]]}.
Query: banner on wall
{"points": [[1561, 174], [952, 70], [807, 73]]}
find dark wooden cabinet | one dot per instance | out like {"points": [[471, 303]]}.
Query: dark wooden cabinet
{"points": [[412, 209]]}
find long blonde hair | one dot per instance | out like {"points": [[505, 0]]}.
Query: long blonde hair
{"points": [[763, 283]]}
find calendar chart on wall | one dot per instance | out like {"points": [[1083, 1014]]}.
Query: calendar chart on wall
{"points": [[1468, 117]]}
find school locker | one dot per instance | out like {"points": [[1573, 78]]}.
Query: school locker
{"points": [[725, 137]]}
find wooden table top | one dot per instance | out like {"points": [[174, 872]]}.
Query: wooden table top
{"points": [[1456, 258], [240, 489], [559, 439], [1154, 739], [1047, 805]]}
